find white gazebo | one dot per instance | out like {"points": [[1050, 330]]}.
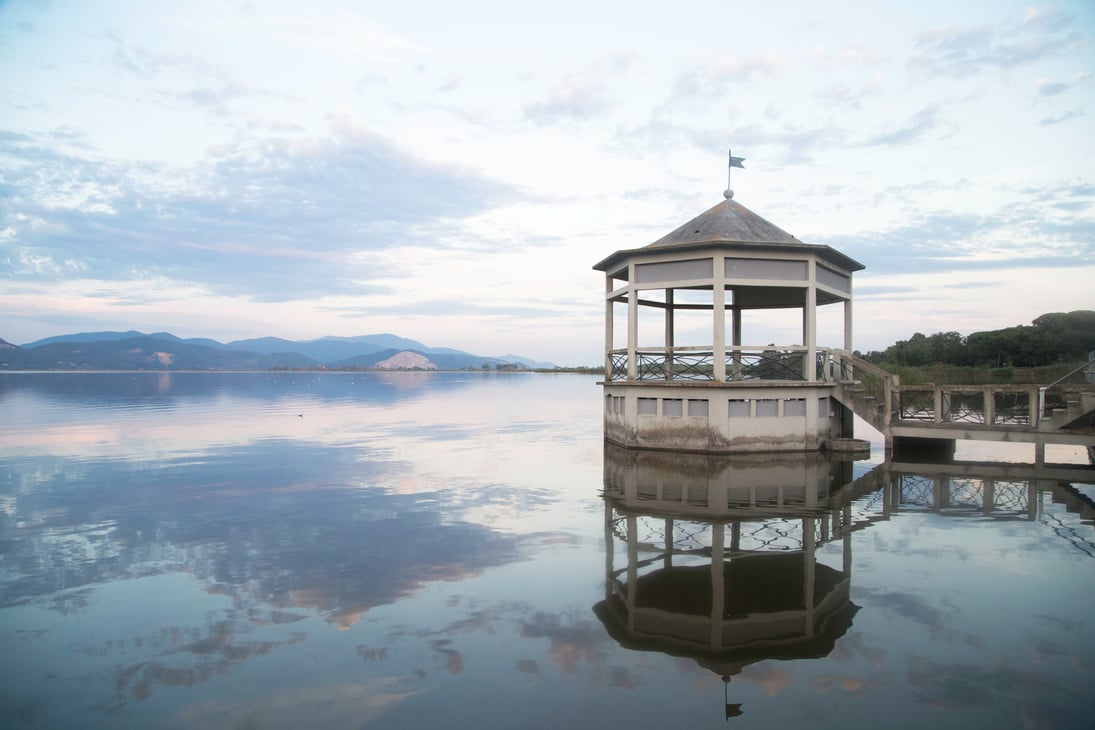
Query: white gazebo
{"points": [[720, 394]]}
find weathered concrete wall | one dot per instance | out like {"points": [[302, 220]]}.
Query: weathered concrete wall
{"points": [[721, 418]]}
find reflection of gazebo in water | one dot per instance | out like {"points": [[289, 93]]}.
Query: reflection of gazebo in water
{"points": [[721, 556]]}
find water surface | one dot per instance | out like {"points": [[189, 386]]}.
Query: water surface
{"points": [[200, 550]]}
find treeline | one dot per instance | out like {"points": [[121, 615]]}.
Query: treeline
{"points": [[1050, 339]]}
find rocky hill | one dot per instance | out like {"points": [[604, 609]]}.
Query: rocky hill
{"points": [[164, 351]]}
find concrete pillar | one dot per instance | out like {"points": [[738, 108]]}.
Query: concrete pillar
{"points": [[609, 304], [735, 339], [809, 328], [669, 334], [718, 311], [632, 325], [848, 319]]}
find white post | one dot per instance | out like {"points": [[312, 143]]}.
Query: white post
{"points": [[632, 325], [848, 321], [669, 334], [718, 311], [809, 329], [735, 338], [608, 327]]}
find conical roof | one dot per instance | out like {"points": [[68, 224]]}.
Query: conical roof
{"points": [[727, 222], [731, 224]]}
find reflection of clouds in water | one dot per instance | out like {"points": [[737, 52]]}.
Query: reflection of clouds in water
{"points": [[527, 666], [453, 659], [769, 676], [851, 686], [963, 686], [852, 648], [571, 643], [345, 705], [919, 611], [175, 656]]}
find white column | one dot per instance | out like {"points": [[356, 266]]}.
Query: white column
{"points": [[809, 329], [735, 339], [848, 321], [718, 311], [632, 324], [669, 334], [608, 326]]}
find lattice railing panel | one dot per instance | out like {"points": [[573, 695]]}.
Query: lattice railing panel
{"points": [[964, 407], [917, 405], [1011, 408]]}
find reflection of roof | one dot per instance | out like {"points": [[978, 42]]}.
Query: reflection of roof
{"points": [[729, 660], [730, 222], [752, 584]]}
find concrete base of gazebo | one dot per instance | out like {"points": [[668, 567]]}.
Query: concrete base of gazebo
{"points": [[722, 418]]}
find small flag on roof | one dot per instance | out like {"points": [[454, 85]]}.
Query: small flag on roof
{"points": [[734, 162]]}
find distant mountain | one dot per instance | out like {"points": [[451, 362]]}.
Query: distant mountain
{"points": [[115, 336], [142, 353], [439, 360], [531, 364], [134, 350], [86, 337], [328, 349]]}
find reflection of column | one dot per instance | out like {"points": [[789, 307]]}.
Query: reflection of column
{"points": [[667, 558], [632, 568], [938, 484], [847, 567], [718, 590], [735, 536], [988, 495], [809, 524], [610, 556]]}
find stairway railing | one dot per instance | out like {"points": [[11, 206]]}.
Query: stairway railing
{"points": [[1047, 400]]}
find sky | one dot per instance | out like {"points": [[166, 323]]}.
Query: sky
{"points": [[450, 172]]}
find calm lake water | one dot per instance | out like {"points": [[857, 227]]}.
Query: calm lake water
{"points": [[193, 550]]}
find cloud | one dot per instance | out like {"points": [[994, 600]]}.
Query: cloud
{"points": [[1044, 87], [570, 100], [1025, 233], [715, 76], [842, 95], [276, 220], [958, 52], [1058, 118], [915, 129]]}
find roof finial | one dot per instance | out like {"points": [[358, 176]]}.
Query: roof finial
{"points": [[734, 162]]}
